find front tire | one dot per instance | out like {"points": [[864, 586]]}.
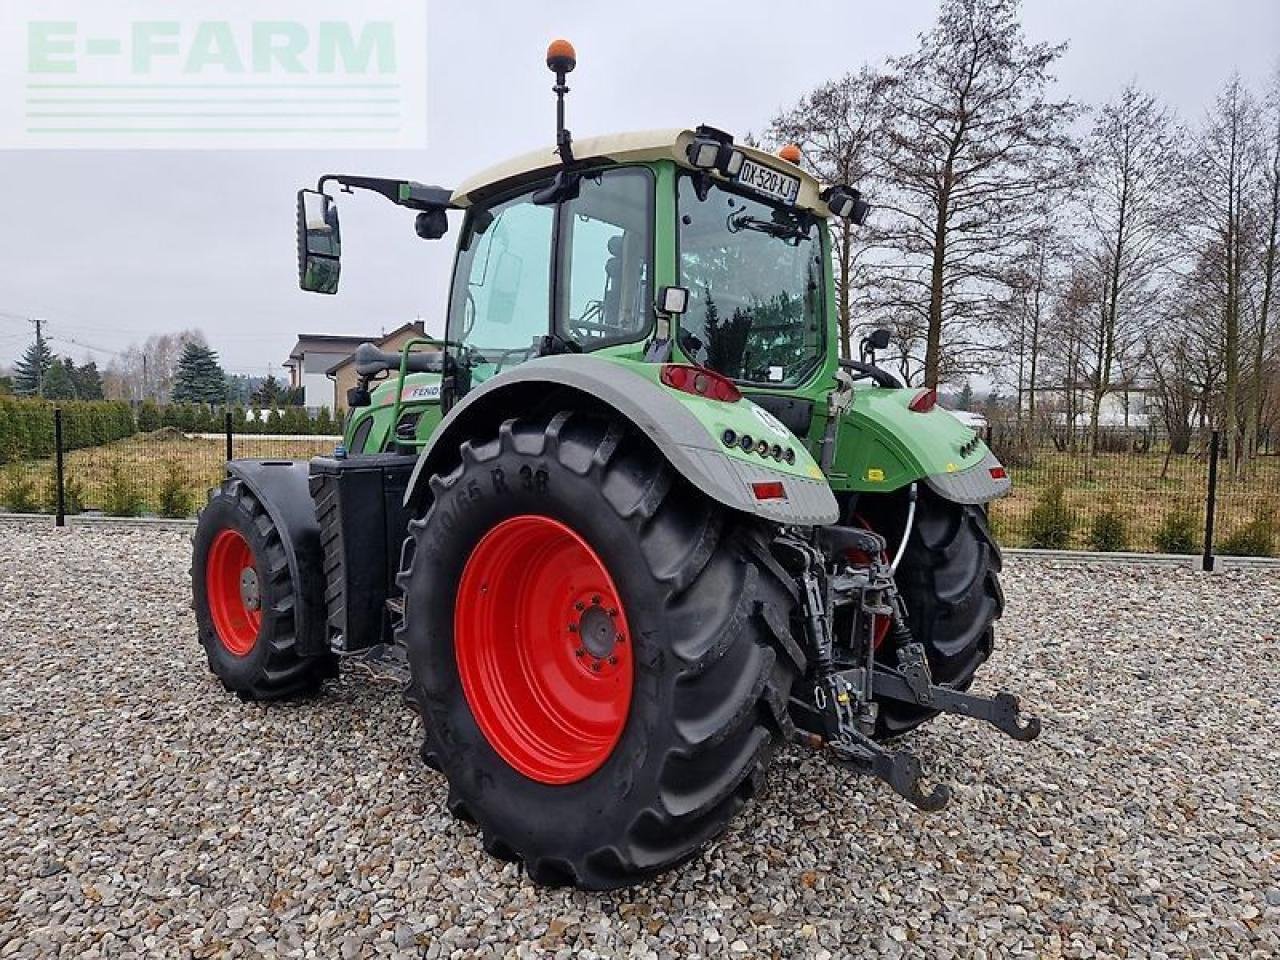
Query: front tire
{"points": [[676, 737], [245, 601]]}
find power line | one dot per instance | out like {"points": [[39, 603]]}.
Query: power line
{"points": [[85, 346]]}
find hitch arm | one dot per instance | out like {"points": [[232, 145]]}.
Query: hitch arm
{"points": [[900, 769], [912, 683]]}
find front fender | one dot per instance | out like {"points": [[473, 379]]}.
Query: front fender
{"points": [[687, 430], [883, 445], [281, 486]]}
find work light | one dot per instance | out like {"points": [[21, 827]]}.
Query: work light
{"points": [[703, 152], [846, 203], [733, 165], [713, 149], [673, 300]]}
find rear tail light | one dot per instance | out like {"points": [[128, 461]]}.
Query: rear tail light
{"points": [[769, 490], [998, 473], [700, 382], [924, 401]]}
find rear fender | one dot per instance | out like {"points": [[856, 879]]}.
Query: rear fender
{"points": [[687, 430], [883, 446], [281, 488]]}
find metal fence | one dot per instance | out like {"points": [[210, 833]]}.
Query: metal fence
{"points": [[1131, 490], [1136, 490], [161, 473]]}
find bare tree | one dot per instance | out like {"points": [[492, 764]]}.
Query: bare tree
{"points": [[1220, 184], [1131, 183], [145, 371], [1269, 223], [1023, 318], [973, 138], [835, 125], [1067, 338]]}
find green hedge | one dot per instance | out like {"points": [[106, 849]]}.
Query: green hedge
{"points": [[26, 426], [288, 420], [196, 418]]}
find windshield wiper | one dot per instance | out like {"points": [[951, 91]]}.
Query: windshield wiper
{"points": [[783, 227]]}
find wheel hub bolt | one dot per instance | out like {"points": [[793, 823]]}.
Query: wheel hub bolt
{"points": [[250, 594]]}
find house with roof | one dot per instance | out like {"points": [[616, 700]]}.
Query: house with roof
{"points": [[317, 357], [311, 356], [343, 372]]}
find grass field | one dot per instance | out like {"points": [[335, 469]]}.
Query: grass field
{"points": [[165, 473], [142, 469]]}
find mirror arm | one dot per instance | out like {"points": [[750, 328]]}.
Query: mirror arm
{"points": [[405, 193]]}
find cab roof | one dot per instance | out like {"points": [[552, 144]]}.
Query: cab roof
{"points": [[637, 147]]}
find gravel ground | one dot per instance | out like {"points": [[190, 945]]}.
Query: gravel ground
{"points": [[144, 812]]}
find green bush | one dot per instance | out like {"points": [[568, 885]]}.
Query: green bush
{"points": [[1051, 523], [148, 416], [175, 497], [1257, 538], [121, 497], [1178, 533], [72, 493], [19, 493], [1108, 531]]}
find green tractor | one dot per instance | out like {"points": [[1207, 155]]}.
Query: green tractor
{"points": [[632, 523]]}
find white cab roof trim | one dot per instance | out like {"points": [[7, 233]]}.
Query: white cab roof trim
{"points": [[639, 147]]}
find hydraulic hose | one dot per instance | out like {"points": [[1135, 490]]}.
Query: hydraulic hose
{"points": [[906, 533]]}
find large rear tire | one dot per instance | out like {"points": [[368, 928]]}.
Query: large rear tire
{"points": [[949, 580], [245, 600], [598, 657]]}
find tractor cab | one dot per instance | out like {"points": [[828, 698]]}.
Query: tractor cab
{"points": [[669, 246]]}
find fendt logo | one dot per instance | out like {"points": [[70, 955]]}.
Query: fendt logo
{"points": [[283, 74]]}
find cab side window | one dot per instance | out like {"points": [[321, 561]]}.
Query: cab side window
{"points": [[606, 259], [502, 283], [503, 280]]}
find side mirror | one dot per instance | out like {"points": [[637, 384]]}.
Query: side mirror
{"points": [[878, 339], [319, 242]]}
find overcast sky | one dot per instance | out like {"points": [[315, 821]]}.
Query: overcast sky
{"points": [[110, 246]]}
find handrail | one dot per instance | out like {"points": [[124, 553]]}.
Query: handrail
{"points": [[404, 369]]}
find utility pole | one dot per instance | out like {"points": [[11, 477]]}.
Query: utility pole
{"points": [[39, 356], [144, 378]]}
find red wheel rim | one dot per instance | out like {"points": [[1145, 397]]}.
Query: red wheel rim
{"points": [[543, 649], [231, 585]]}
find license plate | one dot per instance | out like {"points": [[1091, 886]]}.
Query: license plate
{"points": [[775, 183]]}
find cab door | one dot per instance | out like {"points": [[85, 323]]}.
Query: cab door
{"points": [[581, 269]]}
